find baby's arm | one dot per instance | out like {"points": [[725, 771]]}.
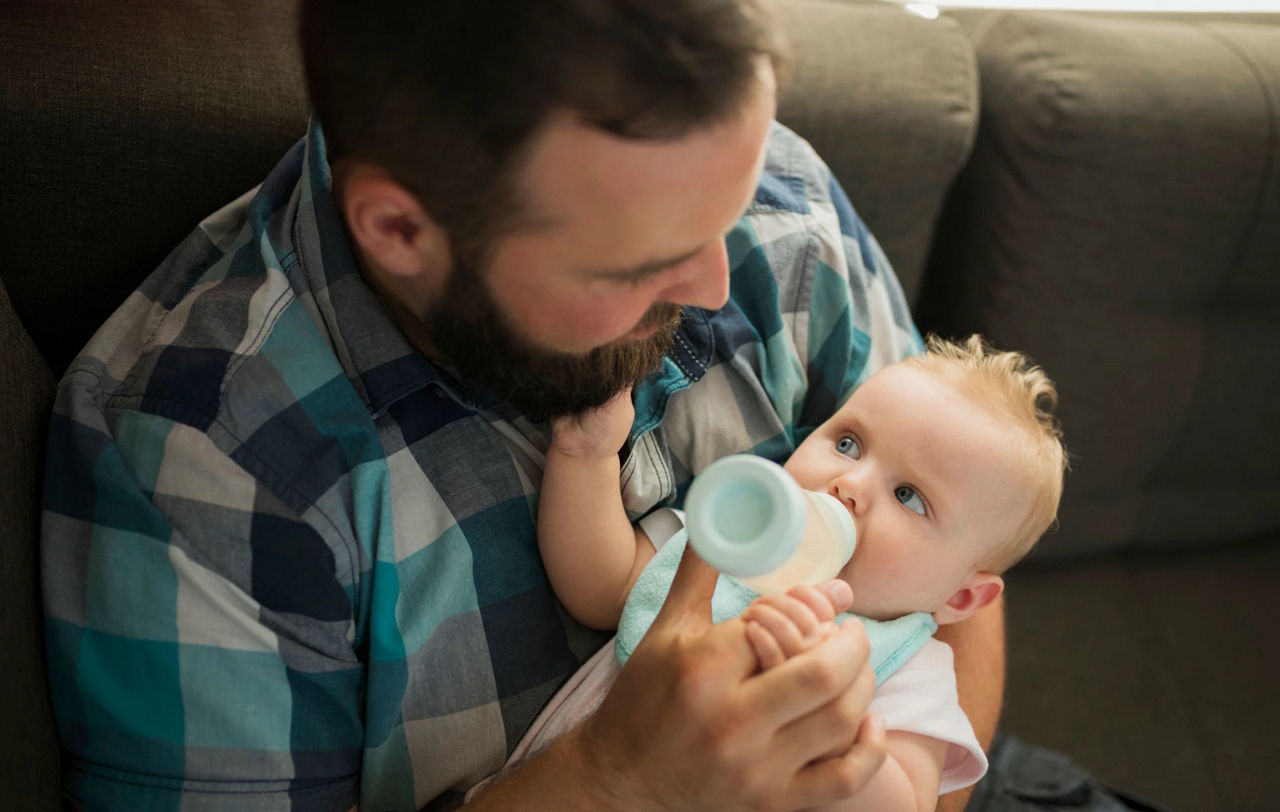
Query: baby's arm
{"points": [[592, 553], [782, 626]]}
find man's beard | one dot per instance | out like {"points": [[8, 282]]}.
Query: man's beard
{"points": [[466, 326]]}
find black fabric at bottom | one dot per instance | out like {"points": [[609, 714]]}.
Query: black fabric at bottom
{"points": [[1027, 778]]}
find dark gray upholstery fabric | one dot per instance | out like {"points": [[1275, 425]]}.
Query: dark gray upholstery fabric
{"points": [[28, 750], [1120, 221], [890, 101], [124, 125], [1156, 672]]}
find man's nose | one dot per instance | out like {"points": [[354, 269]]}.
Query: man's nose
{"points": [[702, 280]]}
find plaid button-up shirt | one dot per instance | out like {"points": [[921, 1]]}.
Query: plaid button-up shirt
{"points": [[288, 564]]}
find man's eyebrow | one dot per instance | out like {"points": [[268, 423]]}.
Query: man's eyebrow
{"points": [[647, 268]]}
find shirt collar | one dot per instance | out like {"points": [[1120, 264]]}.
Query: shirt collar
{"points": [[379, 361]]}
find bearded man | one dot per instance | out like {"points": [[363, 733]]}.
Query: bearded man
{"points": [[289, 550]]}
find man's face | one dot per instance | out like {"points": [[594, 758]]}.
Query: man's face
{"points": [[568, 310], [931, 483]]}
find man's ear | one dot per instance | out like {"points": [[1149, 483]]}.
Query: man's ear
{"points": [[389, 225], [978, 590]]}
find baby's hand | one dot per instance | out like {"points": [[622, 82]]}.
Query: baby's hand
{"points": [[782, 626], [596, 433]]}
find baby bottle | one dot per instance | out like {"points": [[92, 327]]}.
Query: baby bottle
{"points": [[750, 520]]}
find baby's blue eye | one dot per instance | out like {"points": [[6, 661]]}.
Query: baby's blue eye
{"points": [[909, 498], [849, 447]]}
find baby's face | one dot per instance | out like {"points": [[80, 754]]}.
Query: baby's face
{"points": [[930, 480]]}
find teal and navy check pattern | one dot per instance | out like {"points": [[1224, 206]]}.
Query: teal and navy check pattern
{"points": [[290, 564]]}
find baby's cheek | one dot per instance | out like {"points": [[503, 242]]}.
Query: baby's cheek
{"points": [[846, 573], [881, 569]]}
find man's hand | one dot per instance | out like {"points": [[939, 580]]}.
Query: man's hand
{"points": [[692, 723]]}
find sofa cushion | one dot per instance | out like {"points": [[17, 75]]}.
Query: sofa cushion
{"points": [[1155, 672], [1120, 221], [124, 125], [29, 757], [890, 101]]}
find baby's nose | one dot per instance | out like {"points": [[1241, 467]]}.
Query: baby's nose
{"points": [[844, 494]]}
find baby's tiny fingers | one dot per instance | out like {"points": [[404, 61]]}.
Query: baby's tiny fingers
{"points": [[807, 608], [767, 650], [778, 623], [826, 599], [816, 601]]}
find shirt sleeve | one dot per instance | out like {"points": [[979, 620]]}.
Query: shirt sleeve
{"points": [[199, 644], [843, 310], [872, 326], [920, 697]]}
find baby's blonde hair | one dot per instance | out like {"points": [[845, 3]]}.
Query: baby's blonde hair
{"points": [[1009, 387]]}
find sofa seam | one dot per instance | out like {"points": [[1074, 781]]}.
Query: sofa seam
{"points": [[1269, 163], [967, 59]]}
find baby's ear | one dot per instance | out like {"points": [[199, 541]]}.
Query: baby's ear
{"points": [[980, 589]]}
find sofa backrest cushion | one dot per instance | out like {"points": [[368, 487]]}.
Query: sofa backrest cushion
{"points": [[890, 101], [124, 125], [1120, 221]]}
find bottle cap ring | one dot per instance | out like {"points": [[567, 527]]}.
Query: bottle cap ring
{"points": [[745, 515]]}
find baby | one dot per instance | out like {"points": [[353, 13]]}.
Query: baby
{"points": [[951, 465]]}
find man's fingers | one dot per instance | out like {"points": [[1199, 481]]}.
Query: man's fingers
{"points": [[813, 678], [831, 729], [832, 779], [689, 600]]}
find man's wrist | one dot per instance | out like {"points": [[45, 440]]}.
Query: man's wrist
{"points": [[563, 778], [582, 455]]}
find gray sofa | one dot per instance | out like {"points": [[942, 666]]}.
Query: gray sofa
{"points": [[1100, 191]]}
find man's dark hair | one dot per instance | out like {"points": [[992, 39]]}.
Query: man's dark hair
{"points": [[446, 95]]}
